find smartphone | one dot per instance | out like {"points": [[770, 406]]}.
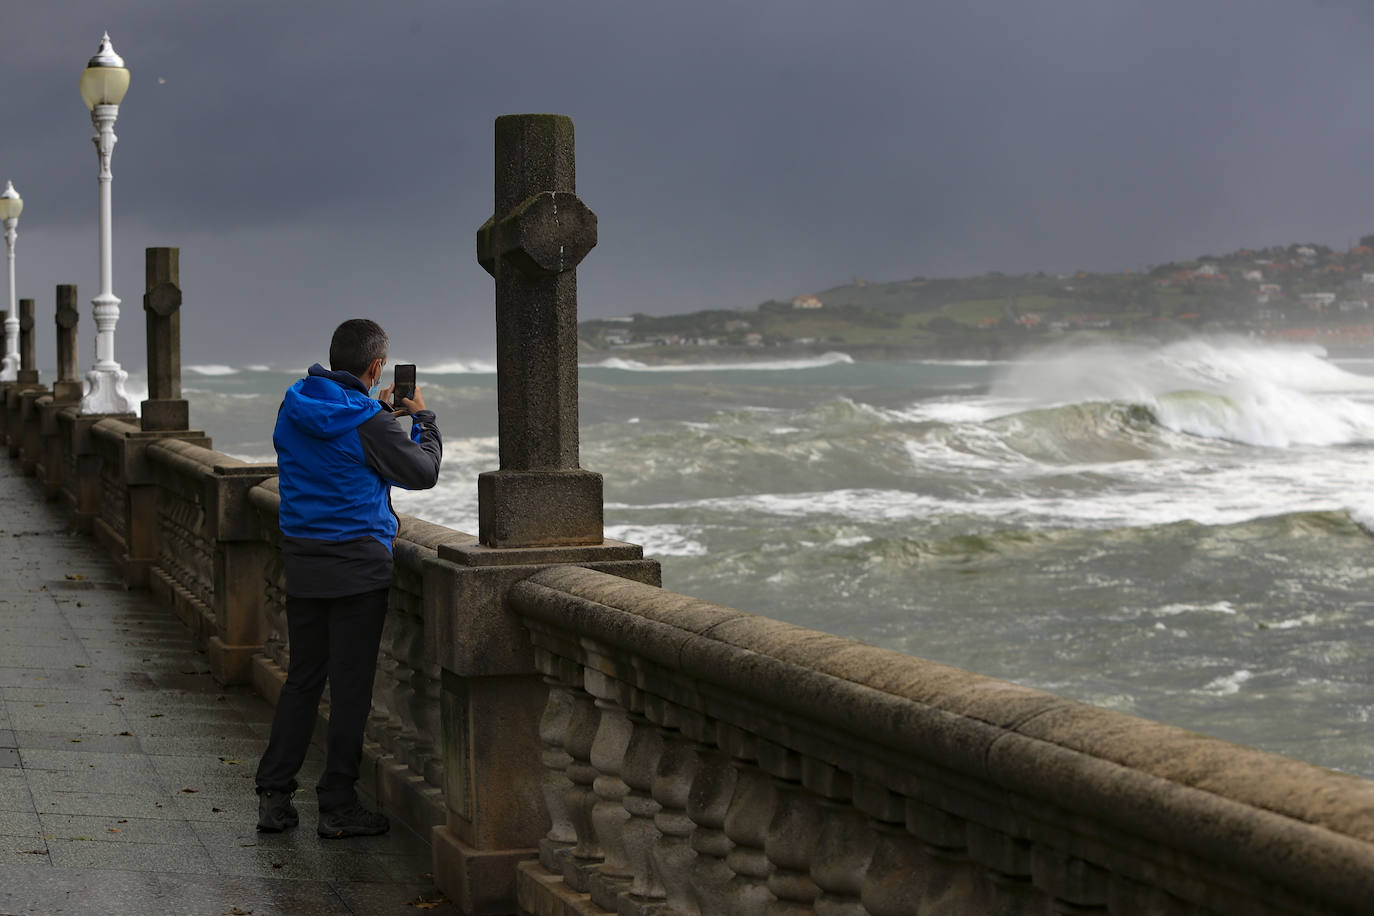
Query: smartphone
{"points": [[404, 381]]}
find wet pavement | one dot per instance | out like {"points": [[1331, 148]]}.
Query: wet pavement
{"points": [[126, 772]]}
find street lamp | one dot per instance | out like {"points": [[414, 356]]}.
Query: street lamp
{"points": [[103, 84], [11, 205]]}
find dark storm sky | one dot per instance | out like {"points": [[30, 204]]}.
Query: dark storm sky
{"points": [[320, 160]]}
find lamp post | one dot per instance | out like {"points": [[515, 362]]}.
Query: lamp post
{"points": [[11, 204], [103, 84]]}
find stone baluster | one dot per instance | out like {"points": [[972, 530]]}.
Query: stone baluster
{"points": [[1076, 887], [844, 846], [582, 773], [707, 804], [608, 749], [792, 833], [641, 833], [673, 854], [427, 688], [951, 878], [746, 824], [1006, 869], [896, 877], [555, 785]]}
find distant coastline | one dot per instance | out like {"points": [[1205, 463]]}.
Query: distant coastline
{"points": [[1300, 293]]}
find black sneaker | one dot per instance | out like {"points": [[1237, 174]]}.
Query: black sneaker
{"points": [[353, 820], [275, 811]]}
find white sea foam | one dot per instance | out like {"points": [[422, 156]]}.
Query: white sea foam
{"points": [[660, 540], [258, 367], [212, 369], [630, 365], [460, 367], [1217, 607], [1223, 388], [1228, 684]]}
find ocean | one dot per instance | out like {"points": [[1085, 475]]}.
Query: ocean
{"points": [[1180, 531]]}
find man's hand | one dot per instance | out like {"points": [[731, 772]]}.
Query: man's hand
{"points": [[408, 406]]}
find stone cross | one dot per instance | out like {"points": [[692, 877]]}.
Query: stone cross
{"points": [[28, 368], [165, 408], [532, 245], [67, 386]]}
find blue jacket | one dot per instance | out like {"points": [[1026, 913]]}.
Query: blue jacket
{"points": [[338, 454]]}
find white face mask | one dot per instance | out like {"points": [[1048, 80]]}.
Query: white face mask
{"points": [[376, 387]]}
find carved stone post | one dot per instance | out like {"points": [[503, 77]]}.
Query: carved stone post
{"points": [[20, 395], [30, 424], [66, 392], [537, 510], [165, 408], [532, 246], [67, 386], [28, 367]]}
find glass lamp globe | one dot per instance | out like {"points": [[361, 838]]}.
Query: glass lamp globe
{"points": [[11, 204], [105, 80]]}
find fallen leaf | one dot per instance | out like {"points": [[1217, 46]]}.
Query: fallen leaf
{"points": [[230, 762], [78, 666], [216, 810], [155, 715], [278, 864], [125, 820], [190, 791], [420, 903], [126, 734], [77, 577], [75, 740], [114, 830]]}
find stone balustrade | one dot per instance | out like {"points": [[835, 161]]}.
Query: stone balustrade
{"points": [[700, 759]]}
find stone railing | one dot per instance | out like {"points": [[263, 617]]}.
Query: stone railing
{"points": [[699, 759]]}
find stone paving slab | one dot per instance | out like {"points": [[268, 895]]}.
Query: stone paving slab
{"points": [[126, 772]]}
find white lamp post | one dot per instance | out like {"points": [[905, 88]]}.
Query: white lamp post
{"points": [[103, 84], [11, 204]]}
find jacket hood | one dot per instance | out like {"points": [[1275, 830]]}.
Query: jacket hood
{"points": [[326, 403]]}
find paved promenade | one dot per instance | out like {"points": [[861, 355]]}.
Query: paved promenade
{"points": [[126, 773]]}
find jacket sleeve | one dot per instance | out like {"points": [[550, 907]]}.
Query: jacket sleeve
{"points": [[412, 463]]}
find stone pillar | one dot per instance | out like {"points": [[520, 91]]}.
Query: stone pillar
{"points": [[66, 392], [24, 389], [537, 510], [241, 554], [67, 386], [28, 366], [165, 408], [532, 245]]}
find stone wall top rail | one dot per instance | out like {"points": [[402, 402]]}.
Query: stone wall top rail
{"points": [[185, 454], [111, 428], [886, 716]]}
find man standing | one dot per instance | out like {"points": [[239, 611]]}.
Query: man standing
{"points": [[339, 451]]}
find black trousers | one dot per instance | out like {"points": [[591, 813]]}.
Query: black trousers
{"points": [[335, 638]]}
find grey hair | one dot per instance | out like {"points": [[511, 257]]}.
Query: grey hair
{"points": [[355, 344]]}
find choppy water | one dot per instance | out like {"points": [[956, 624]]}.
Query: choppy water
{"points": [[1176, 532]]}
